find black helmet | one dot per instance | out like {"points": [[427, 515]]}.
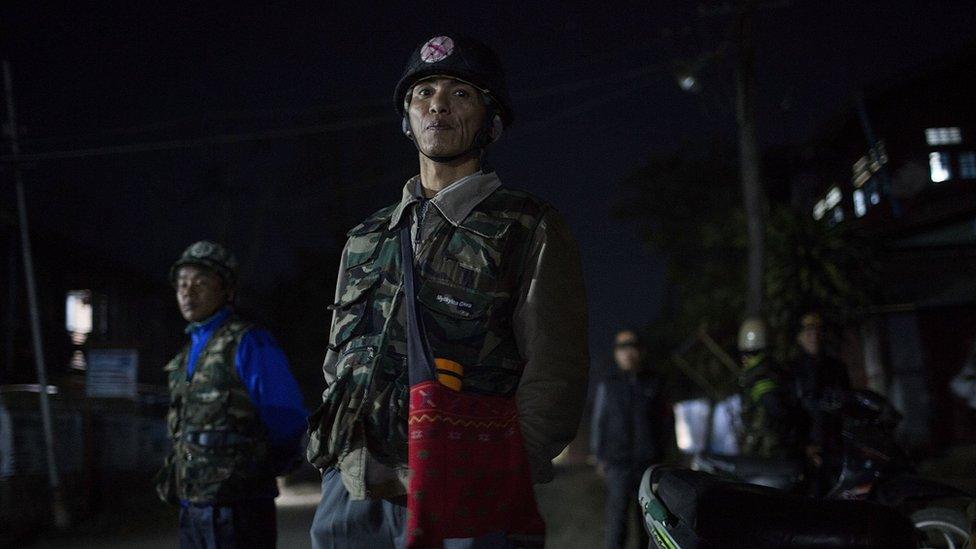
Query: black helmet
{"points": [[459, 57]]}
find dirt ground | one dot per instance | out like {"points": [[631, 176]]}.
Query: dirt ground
{"points": [[572, 506]]}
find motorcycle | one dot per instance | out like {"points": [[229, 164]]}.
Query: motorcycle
{"points": [[875, 471], [686, 509]]}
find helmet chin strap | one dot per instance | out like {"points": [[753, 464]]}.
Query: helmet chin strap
{"points": [[446, 159]]}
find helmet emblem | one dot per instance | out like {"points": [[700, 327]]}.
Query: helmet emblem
{"points": [[437, 49], [202, 249]]}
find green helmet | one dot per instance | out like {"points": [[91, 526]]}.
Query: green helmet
{"points": [[211, 255]]}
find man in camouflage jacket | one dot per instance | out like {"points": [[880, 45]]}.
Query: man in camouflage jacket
{"points": [[236, 416], [500, 292]]}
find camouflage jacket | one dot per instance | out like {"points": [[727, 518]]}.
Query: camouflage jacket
{"points": [[220, 450], [478, 251]]}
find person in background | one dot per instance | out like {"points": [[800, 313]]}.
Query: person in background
{"points": [[767, 414], [815, 375], [236, 417], [627, 432]]}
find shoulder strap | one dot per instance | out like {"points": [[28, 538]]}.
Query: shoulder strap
{"points": [[419, 361]]}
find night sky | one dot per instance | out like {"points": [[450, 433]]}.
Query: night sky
{"points": [[593, 87]]}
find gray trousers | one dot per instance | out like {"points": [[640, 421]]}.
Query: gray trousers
{"points": [[341, 523]]}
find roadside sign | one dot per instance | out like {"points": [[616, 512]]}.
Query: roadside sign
{"points": [[112, 373]]}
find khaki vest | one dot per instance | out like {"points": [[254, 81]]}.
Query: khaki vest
{"points": [[468, 284], [220, 450]]}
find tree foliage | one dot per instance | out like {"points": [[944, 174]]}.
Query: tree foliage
{"points": [[688, 208], [813, 267]]}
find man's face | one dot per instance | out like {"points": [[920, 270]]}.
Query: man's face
{"points": [[626, 351], [200, 293], [809, 339], [445, 115]]}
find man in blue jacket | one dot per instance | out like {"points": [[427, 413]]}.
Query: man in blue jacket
{"points": [[236, 416]]}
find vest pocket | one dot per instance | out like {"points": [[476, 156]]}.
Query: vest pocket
{"points": [[386, 424], [202, 469], [203, 408], [456, 303], [350, 309], [333, 423], [474, 252]]}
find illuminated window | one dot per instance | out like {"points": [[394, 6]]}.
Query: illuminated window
{"points": [[861, 172], [78, 315], [838, 215], [860, 204], [943, 136], [967, 165], [819, 209], [833, 197], [879, 156], [875, 198], [939, 167]]}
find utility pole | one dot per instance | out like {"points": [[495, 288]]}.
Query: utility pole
{"points": [[750, 161], [750, 168], [57, 499], [10, 310]]}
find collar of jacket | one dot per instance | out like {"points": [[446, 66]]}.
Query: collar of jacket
{"points": [[212, 322], [455, 201]]}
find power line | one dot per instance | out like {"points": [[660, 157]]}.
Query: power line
{"points": [[223, 139], [535, 93], [639, 75], [211, 116], [588, 105]]}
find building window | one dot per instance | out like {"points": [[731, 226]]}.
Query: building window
{"points": [[833, 197], [967, 165], [943, 136], [819, 209], [78, 315], [939, 167], [861, 172], [838, 215], [860, 204], [828, 203]]}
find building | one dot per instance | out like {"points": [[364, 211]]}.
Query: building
{"points": [[900, 169]]}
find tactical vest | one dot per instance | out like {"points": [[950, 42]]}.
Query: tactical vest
{"points": [[220, 450], [468, 281]]}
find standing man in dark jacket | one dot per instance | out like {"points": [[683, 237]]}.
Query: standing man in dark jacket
{"points": [[236, 416], [627, 432]]}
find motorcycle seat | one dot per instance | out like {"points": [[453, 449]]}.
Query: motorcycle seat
{"points": [[778, 473], [732, 514]]}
